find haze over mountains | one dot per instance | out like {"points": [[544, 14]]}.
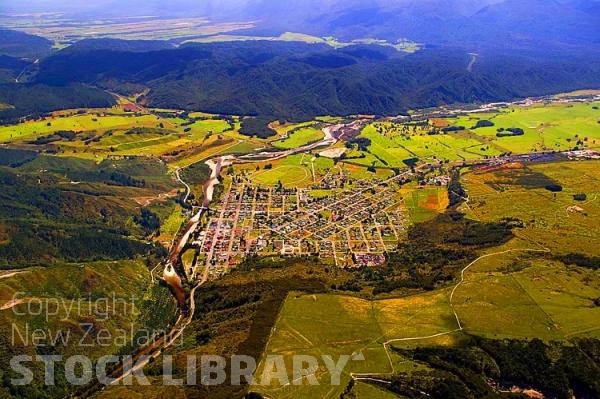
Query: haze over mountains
{"points": [[457, 22], [471, 51]]}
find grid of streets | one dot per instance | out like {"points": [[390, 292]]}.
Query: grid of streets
{"points": [[352, 227]]}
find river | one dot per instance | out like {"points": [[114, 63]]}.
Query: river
{"points": [[332, 134]]}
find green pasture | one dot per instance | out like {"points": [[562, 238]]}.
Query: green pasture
{"points": [[342, 325], [77, 123], [393, 148], [546, 127], [293, 170], [288, 175], [539, 298], [555, 220], [424, 203], [299, 138]]}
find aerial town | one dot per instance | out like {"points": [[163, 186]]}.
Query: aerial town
{"points": [[351, 228]]}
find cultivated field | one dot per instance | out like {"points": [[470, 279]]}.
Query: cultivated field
{"points": [[424, 203], [299, 138], [64, 31]]}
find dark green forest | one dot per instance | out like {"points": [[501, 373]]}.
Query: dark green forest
{"points": [[296, 81]]}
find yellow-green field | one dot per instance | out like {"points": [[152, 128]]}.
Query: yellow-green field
{"points": [[424, 203], [393, 148], [556, 221], [292, 171], [342, 325], [299, 138], [79, 123], [546, 127], [549, 127]]}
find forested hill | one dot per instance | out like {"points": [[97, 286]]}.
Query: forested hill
{"points": [[23, 45], [297, 80]]}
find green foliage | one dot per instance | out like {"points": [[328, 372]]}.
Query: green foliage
{"points": [[451, 129], [483, 123], [558, 370], [36, 100], [196, 173], [257, 127], [48, 218], [299, 81], [22, 45], [434, 253], [148, 220], [555, 188], [509, 132], [581, 260], [362, 143], [15, 158]]}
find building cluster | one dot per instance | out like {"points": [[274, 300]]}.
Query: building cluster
{"points": [[352, 228]]}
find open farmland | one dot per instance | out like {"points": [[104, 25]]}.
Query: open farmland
{"points": [[547, 127], [550, 127], [299, 137], [64, 31], [79, 123], [341, 325], [391, 144], [292, 171], [556, 220], [424, 203], [96, 134]]}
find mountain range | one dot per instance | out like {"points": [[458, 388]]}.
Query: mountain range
{"points": [[472, 51]]}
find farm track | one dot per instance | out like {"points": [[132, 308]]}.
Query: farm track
{"points": [[374, 376]]}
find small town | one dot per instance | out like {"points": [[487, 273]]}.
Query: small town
{"points": [[351, 228]]}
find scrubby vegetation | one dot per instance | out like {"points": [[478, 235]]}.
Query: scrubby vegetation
{"points": [[482, 367], [196, 173], [581, 260], [434, 253], [49, 218], [15, 158], [483, 123]]}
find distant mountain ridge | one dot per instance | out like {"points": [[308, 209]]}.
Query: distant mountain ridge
{"points": [[480, 23], [22, 45], [300, 81], [525, 48], [483, 24]]}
